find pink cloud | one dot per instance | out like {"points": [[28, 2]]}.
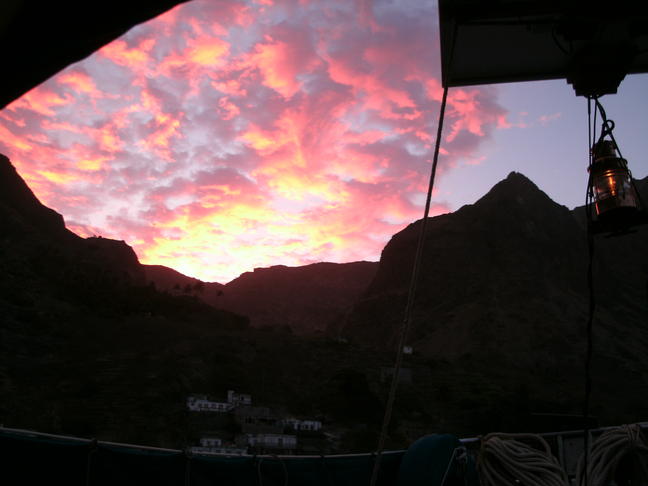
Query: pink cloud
{"points": [[41, 101], [546, 119], [281, 60], [287, 131], [133, 58], [79, 81]]}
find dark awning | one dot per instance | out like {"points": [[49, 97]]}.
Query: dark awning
{"points": [[40, 38], [497, 41]]}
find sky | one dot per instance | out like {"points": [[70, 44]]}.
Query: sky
{"points": [[228, 135]]}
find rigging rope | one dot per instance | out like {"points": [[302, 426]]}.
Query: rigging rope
{"points": [[504, 460], [411, 295], [590, 279], [608, 451], [607, 128]]}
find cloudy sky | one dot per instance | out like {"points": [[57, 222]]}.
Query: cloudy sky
{"points": [[227, 135]]}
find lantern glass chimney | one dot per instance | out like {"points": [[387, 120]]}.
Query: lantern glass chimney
{"points": [[614, 193]]}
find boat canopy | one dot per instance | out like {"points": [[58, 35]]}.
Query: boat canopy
{"points": [[584, 42], [39, 39]]}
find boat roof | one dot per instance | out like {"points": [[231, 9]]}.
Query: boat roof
{"points": [[499, 41], [38, 39]]}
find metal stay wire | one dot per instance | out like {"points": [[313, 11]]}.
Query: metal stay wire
{"points": [[411, 295]]}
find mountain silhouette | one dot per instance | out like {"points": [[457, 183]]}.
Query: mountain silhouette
{"points": [[503, 295], [170, 280], [32, 229], [481, 259], [80, 326], [498, 326], [305, 299], [22, 212]]}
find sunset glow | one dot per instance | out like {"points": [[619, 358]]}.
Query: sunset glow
{"points": [[228, 135]]}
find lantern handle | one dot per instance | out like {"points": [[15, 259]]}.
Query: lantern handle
{"points": [[607, 126]]}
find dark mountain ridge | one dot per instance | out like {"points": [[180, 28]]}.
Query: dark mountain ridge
{"points": [[503, 296], [168, 279], [88, 348], [22, 212], [305, 299], [85, 345], [511, 241], [498, 328], [30, 228]]}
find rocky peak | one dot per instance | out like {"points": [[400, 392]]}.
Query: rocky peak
{"points": [[513, 245], [115, 255], [516, 187], [23, 211], [517, 197], [24, 219], [305, 298]]}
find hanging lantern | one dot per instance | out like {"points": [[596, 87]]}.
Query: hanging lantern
{"points": [[614, 194]]}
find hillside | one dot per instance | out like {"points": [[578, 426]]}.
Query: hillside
{"points": [[503, 296], [90, 347], [306, 300], [79, 328]]}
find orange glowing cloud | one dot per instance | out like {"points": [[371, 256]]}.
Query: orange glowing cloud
{"points": [[279, 63], [264, 142], [58, 177], [465, 104], [13, 141], [79, 81], [228, 135], [91, 165], [377, 94], [134, 58], [200, 53], [207, 51], [41, 101], [230, 87], [229, 110], [109, 140]]}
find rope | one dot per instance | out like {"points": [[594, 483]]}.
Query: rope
{"points": [[93, 446], [407, 320], [187, 455], [590, 278], [459, 454], [326, 470], [504, 460], [608, 451], [260, 474]]}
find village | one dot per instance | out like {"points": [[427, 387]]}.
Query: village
{"points": [[236, 427]]}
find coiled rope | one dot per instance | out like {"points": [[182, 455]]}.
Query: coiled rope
{"points": [[607, 452], [505, 460]]}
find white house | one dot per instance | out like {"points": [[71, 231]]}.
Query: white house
{"points": [[211, 442], [271, 441], [237, 399], [200, 403], [303, 425], [230, 451], [214, 445]]}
